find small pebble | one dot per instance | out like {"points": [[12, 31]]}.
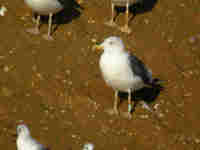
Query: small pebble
{"points": [[182, 5], [161, 115], [170, 40], [155, 107], [70, 83], [2, 57], [74, 136], [144, 116], [90, 20], [192, 40], [197, 141], [68, 72], [94, 40], [6, 91], [6, 69], [34, 68], [146, 21]]}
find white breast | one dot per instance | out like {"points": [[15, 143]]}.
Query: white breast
{"points": [[117, 73], [28, 144]]}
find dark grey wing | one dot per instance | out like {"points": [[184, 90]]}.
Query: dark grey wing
{"points": [[140, 69]]}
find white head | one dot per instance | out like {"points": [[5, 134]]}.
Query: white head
{"points": [[22, 130], [112, 44], [88, 146]]}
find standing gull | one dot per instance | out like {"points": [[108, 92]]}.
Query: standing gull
{"points": [[122, 71], [44, 7], [25, 141], [121, 3]]}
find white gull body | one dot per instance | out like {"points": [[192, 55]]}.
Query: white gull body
{"points": [[117, 71], [44, 7], [25, 141], [122, 71]]}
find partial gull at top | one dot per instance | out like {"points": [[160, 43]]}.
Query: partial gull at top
{"points": [[122, 3], [45, 7]]}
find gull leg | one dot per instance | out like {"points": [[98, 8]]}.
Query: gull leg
{"points": [[111, 21], [48, 35], [114, 110], [125, 28], [128, 113], [35, 30]]}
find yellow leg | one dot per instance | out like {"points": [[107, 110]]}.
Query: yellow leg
{"points": [[129, 102], [35, 30], [114, 110], [111, 22], [125, 28], [128, 113], [116, 103], [48, 35], [38, 22]]}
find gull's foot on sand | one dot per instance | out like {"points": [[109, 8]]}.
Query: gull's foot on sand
{"points": [[125, 29], [48, 37], [112, 111], [34, 31], [126, 115], [110, 23]]}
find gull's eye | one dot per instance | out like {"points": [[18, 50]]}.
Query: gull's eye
{"points": [[111, 42], [19, 130]]}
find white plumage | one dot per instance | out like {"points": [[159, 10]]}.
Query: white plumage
{"points": [[117, 71], [25, 141]]}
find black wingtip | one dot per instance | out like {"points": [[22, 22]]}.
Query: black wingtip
{"points": [[157, 81]]}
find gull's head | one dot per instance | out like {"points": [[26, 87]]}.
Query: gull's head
{"points": [[88, 146], [22, 130], [112, 44]]}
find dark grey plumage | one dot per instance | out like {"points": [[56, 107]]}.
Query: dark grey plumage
{"points": [[140, 69]]}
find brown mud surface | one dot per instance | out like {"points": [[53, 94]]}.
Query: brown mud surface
{"points": [[56, 87]]}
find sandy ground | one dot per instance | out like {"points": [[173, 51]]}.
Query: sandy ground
{"points": [[56, 87]]}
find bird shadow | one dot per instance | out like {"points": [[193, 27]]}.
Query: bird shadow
{"points": [[137, 8], [146, 94], [71, 11]]}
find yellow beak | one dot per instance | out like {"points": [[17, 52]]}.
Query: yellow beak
{"points": [[97, 47]]}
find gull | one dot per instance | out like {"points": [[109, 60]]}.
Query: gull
{"points": [[122, 71], [44, 7], [3, 10], [88, 146], [121, 3], [25, 141]]}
